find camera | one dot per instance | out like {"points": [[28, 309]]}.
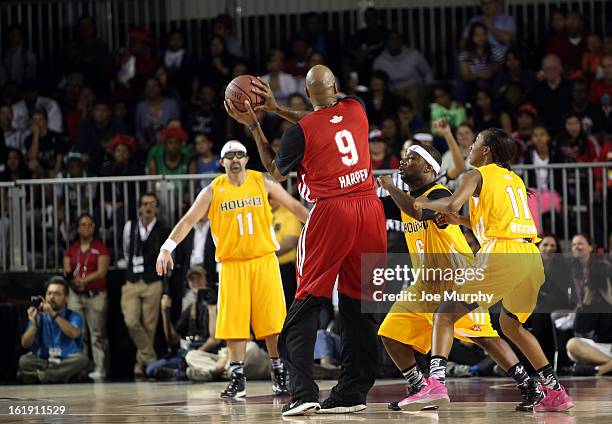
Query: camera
{"points": [[36, 301], [207, 295]]}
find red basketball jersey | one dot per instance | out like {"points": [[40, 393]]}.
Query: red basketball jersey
{"points": [[336, 159]]}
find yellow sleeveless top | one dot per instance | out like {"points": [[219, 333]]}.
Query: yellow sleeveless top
{"points": [[241, 218], [501, 210], [435, 248]]}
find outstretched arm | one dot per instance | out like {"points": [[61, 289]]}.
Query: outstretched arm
{"points": [[470, 184], [280, 195], [262, 88], [442, 127], [196, 212], [401, 199]]}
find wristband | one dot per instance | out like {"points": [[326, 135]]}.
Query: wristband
{"points": [[168, 245], [254, 126]]}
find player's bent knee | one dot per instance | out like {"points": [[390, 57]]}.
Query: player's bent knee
{"points": [[574, 346], [487, 343], [510, 326], [388, 343]]}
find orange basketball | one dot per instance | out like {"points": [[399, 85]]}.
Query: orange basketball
{"points": [[239, 90]]}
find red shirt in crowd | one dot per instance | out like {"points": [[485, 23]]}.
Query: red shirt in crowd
{"points": [[598, 89], [85, 263], [568, 52]]}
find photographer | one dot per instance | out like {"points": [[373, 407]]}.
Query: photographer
{"points": [[54, 334], [195, 328], [86, 265]]}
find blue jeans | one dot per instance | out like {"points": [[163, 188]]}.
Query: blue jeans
{"points": [[173, 362], [328, 345]]}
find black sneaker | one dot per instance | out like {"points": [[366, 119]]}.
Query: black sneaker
{"points": [[299, 407], [532, 393], [584, 370], [235, 388], [334, 406], [279, 382], [393, 406]]}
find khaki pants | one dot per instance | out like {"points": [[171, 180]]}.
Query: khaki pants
{"points": [[93, 309], [33, 369], [140, 307], [257, 364]]}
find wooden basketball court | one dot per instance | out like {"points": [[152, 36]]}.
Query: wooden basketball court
{"points": [[474, 401]]}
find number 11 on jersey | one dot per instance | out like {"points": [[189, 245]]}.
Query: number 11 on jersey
{"points": [[249, 218], [515, 206]]}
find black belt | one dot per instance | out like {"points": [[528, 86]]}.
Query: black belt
{"points": [[89, 293]]}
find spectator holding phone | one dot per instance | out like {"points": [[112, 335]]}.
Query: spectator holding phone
{"points": [[86, 265], [54, 334]]}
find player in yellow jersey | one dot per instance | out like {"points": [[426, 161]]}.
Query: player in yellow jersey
{"points": [[250, 288], [512, 265], [408, 325]]}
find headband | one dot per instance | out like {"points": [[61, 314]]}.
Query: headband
{"points": [[425, 155], [233, 146]]}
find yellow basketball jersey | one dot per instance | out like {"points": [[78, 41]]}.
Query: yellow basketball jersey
{"points": [[241, 218], [286, 225], [431, 247], [501, 210]]}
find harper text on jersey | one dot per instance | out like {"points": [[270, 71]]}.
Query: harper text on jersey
{"points": [[353, 178]]}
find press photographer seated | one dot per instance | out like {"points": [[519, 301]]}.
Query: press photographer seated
{"points": [[54, 334]]}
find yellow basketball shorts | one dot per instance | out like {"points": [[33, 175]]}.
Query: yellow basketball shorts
{"points": [[415, 328], [511, 271], [250, 294]]}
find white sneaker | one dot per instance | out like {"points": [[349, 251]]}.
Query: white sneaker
{"points": [[97, 375]]}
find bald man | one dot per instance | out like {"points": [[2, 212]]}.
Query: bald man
{"points": [[552, 95], [329, 149]]}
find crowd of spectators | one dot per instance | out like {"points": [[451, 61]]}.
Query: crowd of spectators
{"points": [[138, 90], [155, 107]]}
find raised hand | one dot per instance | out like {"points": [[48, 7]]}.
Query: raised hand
{"points": [[384, 181], [245, 118], [263, 89], [32, 314], [441, 126]]}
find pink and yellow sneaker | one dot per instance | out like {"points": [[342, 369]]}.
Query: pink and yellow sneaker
{"points": [[432, 394], [555, 401]]}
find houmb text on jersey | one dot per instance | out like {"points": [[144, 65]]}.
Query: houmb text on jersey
{"points": [[413, 227], [241, 203]]}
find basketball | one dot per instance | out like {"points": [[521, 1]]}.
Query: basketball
{"points": [[239, 90]]}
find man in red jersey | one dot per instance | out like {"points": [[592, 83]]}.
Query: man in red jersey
{"points": [[329, 148]]}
